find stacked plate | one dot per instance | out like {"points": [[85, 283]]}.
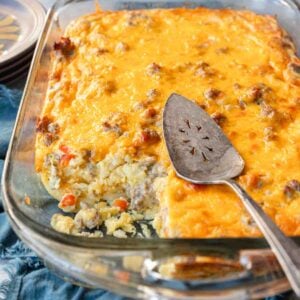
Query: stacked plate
{"points": [[21, 22]]}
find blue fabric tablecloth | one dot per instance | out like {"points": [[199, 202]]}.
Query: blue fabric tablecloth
{"points": [[22, 273]]}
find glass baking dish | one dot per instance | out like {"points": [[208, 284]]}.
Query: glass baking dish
{"points": [[228, 268]]}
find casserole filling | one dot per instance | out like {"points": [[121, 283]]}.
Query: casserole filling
{"points": [[99, 146]]}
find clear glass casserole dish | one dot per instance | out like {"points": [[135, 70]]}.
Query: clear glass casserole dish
{"points": [[228, 268]]}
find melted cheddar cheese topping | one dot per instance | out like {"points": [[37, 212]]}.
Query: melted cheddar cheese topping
{"points": [[112, 74]]}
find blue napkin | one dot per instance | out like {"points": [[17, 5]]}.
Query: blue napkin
{"points": [[9, 103], [22, 274]]}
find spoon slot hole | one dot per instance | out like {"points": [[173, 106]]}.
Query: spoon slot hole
{"points": [[209, 149], [188, 123], [192, 151]]}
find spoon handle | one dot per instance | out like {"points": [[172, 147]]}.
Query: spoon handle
{"points": [[286, 251]]}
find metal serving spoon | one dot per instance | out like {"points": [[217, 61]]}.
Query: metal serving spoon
{"points": [[202, 154]]}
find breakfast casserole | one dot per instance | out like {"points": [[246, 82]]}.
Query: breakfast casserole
{"points": [[100, 149]]}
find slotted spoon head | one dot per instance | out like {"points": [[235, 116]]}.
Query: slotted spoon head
{"points": [[198, 149]]}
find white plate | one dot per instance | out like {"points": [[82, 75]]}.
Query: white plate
{"points": [[29, 17]]}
